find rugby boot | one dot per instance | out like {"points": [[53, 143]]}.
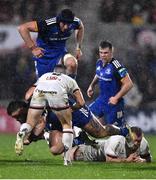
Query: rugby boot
{"points": [[19, 143]]}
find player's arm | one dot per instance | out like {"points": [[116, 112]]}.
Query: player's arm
{"points": [[24, 31], [127, 84], [131, 158], [91, 86], [145, 153], [29, 92], [79, 34], [79, 100]]}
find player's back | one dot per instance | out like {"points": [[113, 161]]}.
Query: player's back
{"points": [[58, 82]]}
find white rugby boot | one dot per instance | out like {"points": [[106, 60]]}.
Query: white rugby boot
{"points": [[19, 143], [67, 160], [67, 163]]}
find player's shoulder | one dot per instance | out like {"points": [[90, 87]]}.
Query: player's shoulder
{"points": [[76, 21], [50, 21], [67, 78], [116, 63], [117, 138], [144, 142]]}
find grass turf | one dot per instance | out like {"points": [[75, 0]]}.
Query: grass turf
{"points": [[38, 163]]}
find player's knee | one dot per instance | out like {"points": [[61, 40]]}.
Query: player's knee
{"points": [[70, 61], [56, 150]]}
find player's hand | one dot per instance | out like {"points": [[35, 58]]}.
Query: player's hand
{"points": [[38, 52], [113, 100], [139, 160], [132, 157], [90, 92], [78, 53]]}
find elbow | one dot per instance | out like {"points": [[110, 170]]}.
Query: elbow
{"points": [[21, 28], [131, 85]]}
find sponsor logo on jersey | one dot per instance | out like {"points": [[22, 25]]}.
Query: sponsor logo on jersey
{"points": [[108, 71], [105, 79]]}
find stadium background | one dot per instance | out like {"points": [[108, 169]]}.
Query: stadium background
{"points": [[129, 25]]}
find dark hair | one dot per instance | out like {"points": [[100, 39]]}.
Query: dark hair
{"points": [[105, 44], [137, 131], [66, 16], [15, 105]]}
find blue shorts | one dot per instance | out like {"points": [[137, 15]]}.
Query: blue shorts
{"points": [[113, 114], [79, 118], [48, 62]]}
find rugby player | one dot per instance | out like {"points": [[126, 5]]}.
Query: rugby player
{"points": [[114, 83], [82, 118], [52, 92], [50, 46], [132, 148]]}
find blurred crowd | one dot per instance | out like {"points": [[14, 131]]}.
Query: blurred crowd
{"points": [[17, 69], [137, 12], [133, 11]]}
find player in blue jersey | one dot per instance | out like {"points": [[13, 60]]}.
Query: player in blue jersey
{"points": [[82, 118], [50, 46], [114, 83]]}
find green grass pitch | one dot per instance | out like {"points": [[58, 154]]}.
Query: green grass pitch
{"points": [[38, 163]]}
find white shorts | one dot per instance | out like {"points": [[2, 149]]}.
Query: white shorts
{"points": [[52, 99]]}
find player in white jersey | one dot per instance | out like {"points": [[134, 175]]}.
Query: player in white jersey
{"points": [[133, 148], [52, 92]]}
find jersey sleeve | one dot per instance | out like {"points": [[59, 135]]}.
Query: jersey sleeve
{"points": [[113, 147], [144, 147], [76, 23], [73, 86], [120, 70]]}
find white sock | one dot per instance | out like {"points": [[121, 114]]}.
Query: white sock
{"points": [[26, 128], [67, 140]]}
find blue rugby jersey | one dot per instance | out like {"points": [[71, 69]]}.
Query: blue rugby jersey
{"points": [[109, 76], [79, 118], [50, 36]]}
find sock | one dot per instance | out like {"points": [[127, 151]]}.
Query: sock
{"points": [[26, 128], [67, 140]]}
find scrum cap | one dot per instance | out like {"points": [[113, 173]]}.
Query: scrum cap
{"points": [[65, 16]]}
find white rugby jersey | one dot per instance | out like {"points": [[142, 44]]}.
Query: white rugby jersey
{"points": [[115, 146], [56, 82]]}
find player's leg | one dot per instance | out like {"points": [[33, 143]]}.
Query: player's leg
{"points": [[65, 118], [55, 142], [32, 118], [96, 129], [35, 111]]}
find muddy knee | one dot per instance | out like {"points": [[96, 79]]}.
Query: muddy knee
{"points": [[70, 63], [56, 150]]}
